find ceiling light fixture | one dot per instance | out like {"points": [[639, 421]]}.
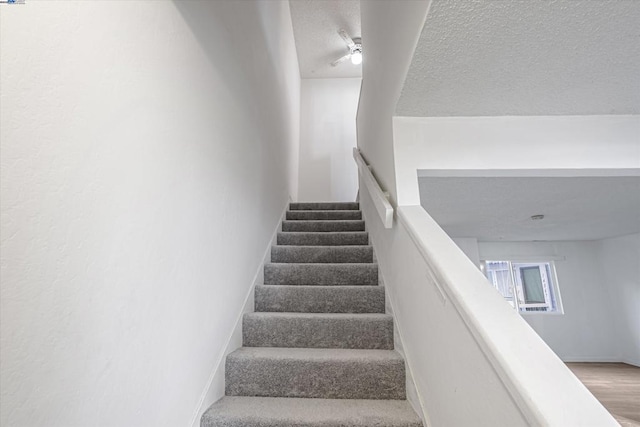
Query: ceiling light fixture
{"points": [[355, 49], [356, 54], [537, 217]]}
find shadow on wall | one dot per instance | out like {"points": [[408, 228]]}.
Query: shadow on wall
{"points": [[253, 40]]}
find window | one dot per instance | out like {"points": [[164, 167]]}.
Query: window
{"points": [[526, 286]]}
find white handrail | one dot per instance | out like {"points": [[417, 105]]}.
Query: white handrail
{"points": [[379, 197]]}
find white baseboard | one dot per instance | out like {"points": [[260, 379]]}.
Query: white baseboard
{"points": [[214, 390], [634, 362], [591, 359]]}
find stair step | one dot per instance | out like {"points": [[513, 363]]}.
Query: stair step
{"points": [[322, 254], [324, 206], [324, 215], [322, 226], [320, 299], [315, 373], [234, 411], [321, 274], [318, 330], [323, 239]]}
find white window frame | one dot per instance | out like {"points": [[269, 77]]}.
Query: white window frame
{"points": [[551, 291], [494, 281]]}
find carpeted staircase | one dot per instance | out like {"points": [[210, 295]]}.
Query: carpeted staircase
{"points": [[318, 350]]}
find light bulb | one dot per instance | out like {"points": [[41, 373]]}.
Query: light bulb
{"points": [[356, 58]]}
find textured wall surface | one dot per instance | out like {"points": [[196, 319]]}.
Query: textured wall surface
{"points": [[148, 149], [327, 138], [494, 58]]}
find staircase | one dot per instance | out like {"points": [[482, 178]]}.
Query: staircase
{"points": [[318, 350]]}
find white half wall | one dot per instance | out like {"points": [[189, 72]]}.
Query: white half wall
{"points": [[327, 138], [390, 32], [522, 143], [473, 360], [148, 149], [586, 331], [620, 258]]}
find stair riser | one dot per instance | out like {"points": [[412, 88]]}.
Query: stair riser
{"points": [[323, 239], [322, 254], [321, 274], [323, 215], [324, 206], [322, 226], [335, 379], [234, 411], [356, 331], [320, 299]]}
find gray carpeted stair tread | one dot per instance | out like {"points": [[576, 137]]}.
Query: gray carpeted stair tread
{"points": [[323, 215], [322, 254], [320, 299], [323, 238], [323, 226], [324, 206], [318, 330], [315, 373], [234, 411], [321, 274]]}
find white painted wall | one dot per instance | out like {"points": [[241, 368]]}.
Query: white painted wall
{"points": [[327, 138], [536, 142], [469, 245], [147, 151], [586, 331], [390, 32], [485, 366], [620, 259]]}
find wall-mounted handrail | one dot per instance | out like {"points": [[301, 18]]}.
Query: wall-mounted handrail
{"points": [[379, 197]]}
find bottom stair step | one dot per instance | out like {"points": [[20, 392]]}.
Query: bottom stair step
{"points": [[288, 412]]}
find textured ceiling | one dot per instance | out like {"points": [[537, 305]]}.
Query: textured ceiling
{"points": [[315, 28], [494, 209], [526, 57]]}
